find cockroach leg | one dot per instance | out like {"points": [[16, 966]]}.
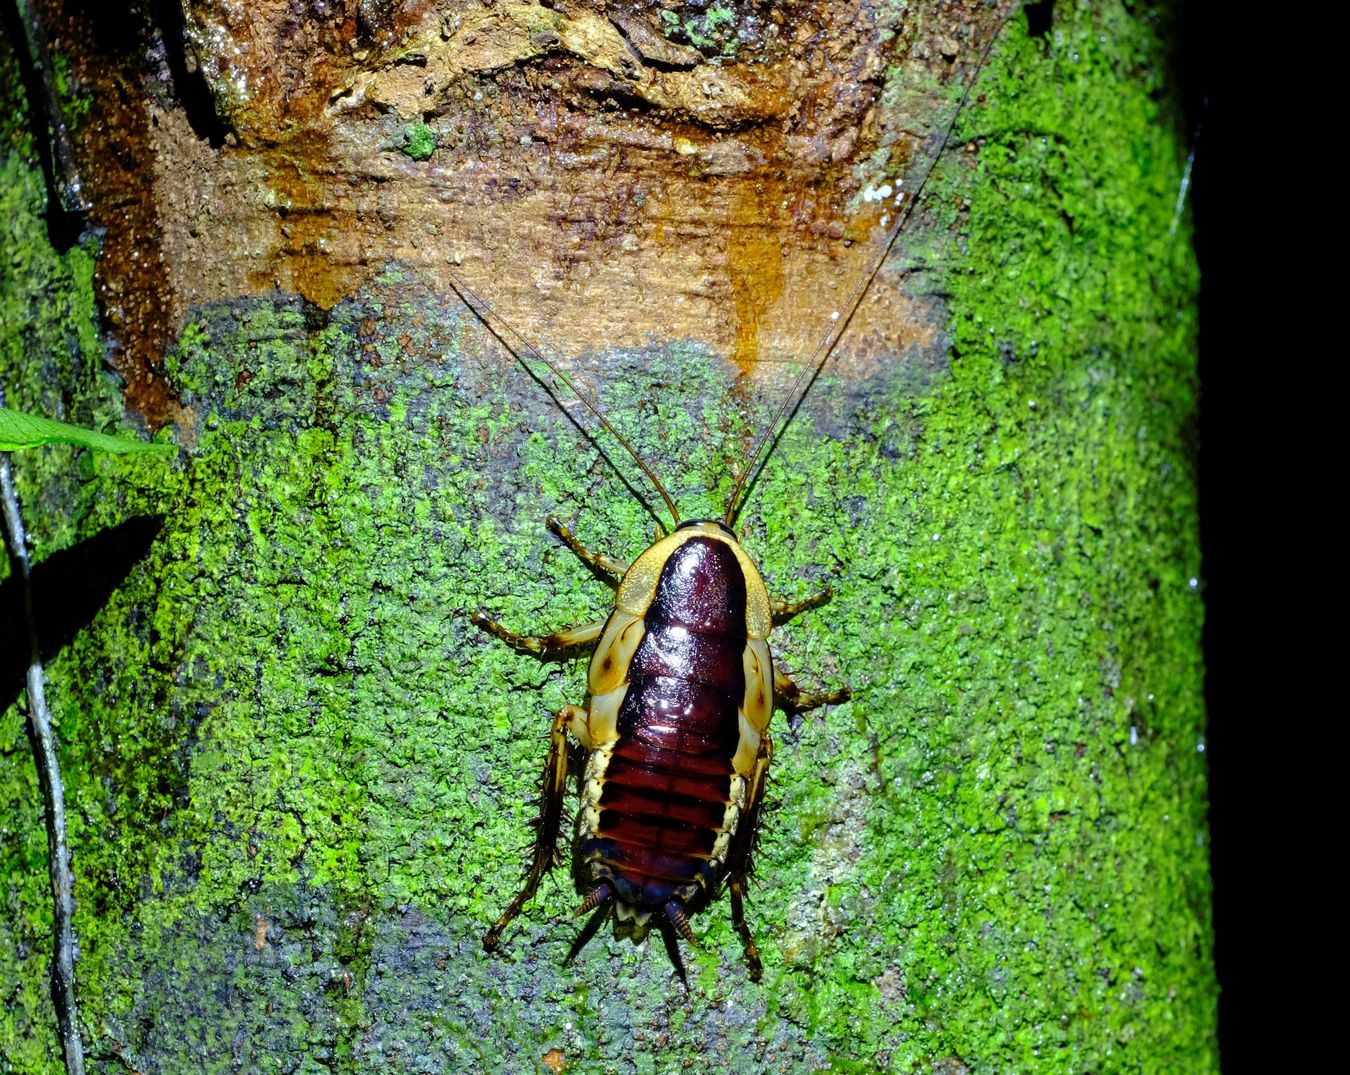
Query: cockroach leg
{"points": [[680, 920], [606, 565], [796, 700], [783, 611], [598, 895], [670, 938], [569, 717], [588, 931], [738, 858], [558, 642], [736, 886]]}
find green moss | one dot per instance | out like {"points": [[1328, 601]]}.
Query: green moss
{"points": [[301, 782], [75, 105], [15, 132], [713, 30], [419, 141]]}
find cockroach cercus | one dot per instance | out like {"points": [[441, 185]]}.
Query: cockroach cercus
{"points": [[681, 684]]}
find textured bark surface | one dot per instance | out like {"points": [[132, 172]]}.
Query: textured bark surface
{"points": [[300, 782]]}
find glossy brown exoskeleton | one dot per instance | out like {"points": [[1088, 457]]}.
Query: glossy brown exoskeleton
{"points": [[682, 686]]}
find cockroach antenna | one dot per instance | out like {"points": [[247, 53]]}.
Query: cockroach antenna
{"points": [[502, 329], [772, 430]]}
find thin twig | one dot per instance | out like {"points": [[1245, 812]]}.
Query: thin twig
{"points": [[1185, 184], [43, 741]]}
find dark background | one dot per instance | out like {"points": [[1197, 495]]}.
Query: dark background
{"points": [[1234, 501]]}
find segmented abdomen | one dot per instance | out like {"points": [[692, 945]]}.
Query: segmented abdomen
{"points": [[669, 779]]}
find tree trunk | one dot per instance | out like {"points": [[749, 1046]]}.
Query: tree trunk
{"points": [[300, 782]]}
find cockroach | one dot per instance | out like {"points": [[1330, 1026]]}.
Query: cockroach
{"points": [[681, 684]]}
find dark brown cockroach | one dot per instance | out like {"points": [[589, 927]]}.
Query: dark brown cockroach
{"points": [[681, 687]]}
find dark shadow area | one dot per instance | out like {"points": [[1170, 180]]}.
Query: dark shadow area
{"points": [[66, 219], [192, 89], [69, 588], [122, 35], [1040, 17], [1227, 437]]}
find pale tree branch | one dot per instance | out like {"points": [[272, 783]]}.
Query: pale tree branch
{"points": [[43, 740]]}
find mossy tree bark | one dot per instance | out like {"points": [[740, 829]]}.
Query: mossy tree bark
{"points": [[300, 781]]}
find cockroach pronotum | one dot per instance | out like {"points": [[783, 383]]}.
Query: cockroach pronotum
{"points": [[681, 686]]}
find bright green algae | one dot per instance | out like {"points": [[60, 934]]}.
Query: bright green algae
{"points": [[300, 783]]}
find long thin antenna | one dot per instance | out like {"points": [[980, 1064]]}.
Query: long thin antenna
{"points": [[828, 342], [501, 328]]}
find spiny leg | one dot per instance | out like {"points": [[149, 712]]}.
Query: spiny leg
{"points": [[588, 931], [792, 696], [598, 560], [675, 912], [795, 700], [550, 816], [670, 939], [738, 858], [558, 642], [782, 611]]}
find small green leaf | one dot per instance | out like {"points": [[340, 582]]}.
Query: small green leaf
{"points": [[19, 430]]}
